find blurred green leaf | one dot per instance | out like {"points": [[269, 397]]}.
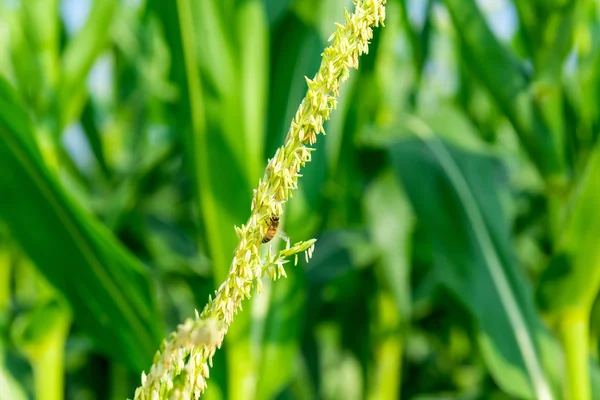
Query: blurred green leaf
{"points": [[105, 285], [92, 134], [24, 68], [508, 82], [214, 47], [573, 277], [339, 252], [569, 286], [253, 44], [390, 224], [289, 65], [41, 334], [419, 37], [283, 329], [40, 23], [456, 196], [10, 387], [275, 9], [79, 56]]}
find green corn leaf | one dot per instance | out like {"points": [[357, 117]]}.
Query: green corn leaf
{"points": [[40, 23], [107, 288], [508, 83], [570, 284], [253, 34], [573, 277], [390, 223], [79, 57], [456, 197], [10, 386], [282, 334]]}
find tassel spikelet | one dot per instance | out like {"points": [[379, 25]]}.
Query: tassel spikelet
{"points": [[181, 366]]}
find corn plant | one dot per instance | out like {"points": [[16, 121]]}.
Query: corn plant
{"points": [[452, 203]]}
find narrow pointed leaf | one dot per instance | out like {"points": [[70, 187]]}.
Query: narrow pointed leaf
{"points": [[107, 288], [506, 79], [573, 277], [456, 196]]}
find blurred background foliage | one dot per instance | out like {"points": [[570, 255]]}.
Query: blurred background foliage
{"points": [[455, 197]]}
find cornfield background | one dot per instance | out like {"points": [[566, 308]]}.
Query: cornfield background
{"points": [[455, 198]]}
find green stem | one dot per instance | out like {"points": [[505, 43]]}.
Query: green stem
{"points": [[574, 328], [42, 339], [387, 373], [557, 201], [5, 274], [48, 368]]}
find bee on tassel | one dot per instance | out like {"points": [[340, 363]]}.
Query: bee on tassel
{"points": [[273, 230]]}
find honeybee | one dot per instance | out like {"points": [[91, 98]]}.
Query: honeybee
{"points": [[273, 226]]}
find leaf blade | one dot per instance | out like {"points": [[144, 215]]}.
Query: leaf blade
{"points": [[104, 284], [473, 260]]}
